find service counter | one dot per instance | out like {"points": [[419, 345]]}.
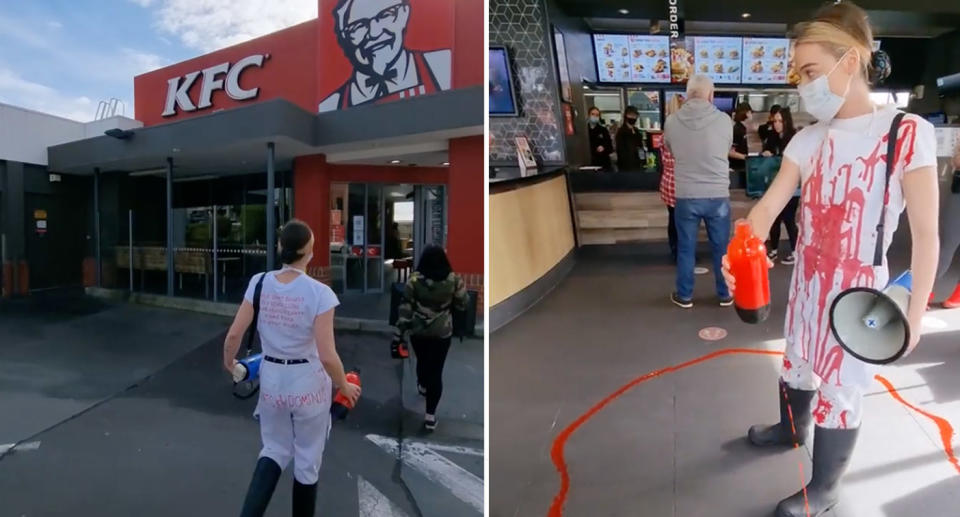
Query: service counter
{"points": [[532, 241]]}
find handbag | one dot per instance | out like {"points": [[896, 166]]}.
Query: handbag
{"points": [[247, 388]]}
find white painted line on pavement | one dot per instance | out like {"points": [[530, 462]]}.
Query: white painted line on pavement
{"points": [[31, 446], [456, 449], [461, 483], [373, 503]]}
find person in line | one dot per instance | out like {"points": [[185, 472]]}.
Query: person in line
{"points": [[699, 137], [738, 151], [630, 142], [668, 189], [840, 164], [774, 144], [951, 232], [425, 317], [767, 127], [299, 361], [601, 146]]}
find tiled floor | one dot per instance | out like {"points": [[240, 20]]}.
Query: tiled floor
{"points": [[675, 444]]}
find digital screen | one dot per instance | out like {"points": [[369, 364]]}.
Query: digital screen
{"points": [[719, 58], [724, 104], [766, 60], [632, 58], [500, 88]]}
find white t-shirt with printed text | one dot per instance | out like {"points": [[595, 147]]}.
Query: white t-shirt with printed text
{"points": [[287, 313]]}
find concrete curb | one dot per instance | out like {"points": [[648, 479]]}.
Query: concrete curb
{"points": [[229, 309]]}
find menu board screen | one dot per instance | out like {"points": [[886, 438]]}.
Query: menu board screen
{"points": [[718, 58], [765, 60], [632, 58]]}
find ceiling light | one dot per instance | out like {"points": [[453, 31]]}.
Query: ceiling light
{"points": [[624, 11], [745, 15], [445, 164], [394, 162]]}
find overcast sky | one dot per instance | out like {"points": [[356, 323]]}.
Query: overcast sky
{"points": [[65, 56]]}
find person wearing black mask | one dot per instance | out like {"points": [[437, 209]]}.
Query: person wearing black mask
{"points": [[601, 146], [629, 142], [765, 130]]}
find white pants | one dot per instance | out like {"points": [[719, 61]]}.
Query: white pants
{"points": [[294, 413], [836, 406]]}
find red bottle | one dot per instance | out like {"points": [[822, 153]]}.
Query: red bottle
{"points": [[748, 264], [341, 404]]}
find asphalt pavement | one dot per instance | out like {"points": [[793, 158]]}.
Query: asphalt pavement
{"points": [[119, 410]]}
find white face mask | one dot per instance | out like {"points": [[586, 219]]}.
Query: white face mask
{"points": [[819, 100]]}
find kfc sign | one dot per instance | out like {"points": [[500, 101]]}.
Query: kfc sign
{"points": [[218, 77]]}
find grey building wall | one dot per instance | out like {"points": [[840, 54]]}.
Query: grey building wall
{"points": [[523, 27]]}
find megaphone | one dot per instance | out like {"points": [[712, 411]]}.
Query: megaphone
{"points": [[246, 376], [872, 325]]}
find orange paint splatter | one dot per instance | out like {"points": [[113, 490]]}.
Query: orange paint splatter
{"points": [[946, 430], [556, 451]]}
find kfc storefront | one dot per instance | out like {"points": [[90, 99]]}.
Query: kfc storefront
{"points": [[366, 123]]}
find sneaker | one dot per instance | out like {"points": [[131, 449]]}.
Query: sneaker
{"points": [[772, 255], [430, 422], [421, 390], [726, 301], [686, 304], [790, 259]]}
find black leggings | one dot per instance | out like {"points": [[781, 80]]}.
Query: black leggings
{"points": [[788, 216], [431, 354]]}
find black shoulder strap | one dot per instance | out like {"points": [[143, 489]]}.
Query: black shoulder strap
{"points": [[256, 312], [891, 154]]}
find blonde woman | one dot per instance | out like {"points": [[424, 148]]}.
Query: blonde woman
{"points": [[840, 164]]}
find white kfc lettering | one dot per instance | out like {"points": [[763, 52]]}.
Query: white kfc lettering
{"points": [[178, 92]]}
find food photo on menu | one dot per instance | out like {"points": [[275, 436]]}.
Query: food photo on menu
{"points": [[720, 58], [632, 58], [765, 60]]}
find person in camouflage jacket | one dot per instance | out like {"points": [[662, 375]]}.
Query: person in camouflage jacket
{"points": [[425, 316]]}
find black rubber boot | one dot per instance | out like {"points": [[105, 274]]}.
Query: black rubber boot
{"points": [[261, 489], [832, 449], [304, 499], [782, 433]]}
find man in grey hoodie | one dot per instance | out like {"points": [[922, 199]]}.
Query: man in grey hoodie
{"points": [[699, 137]]}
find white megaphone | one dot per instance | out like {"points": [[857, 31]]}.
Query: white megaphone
{"points": [[872, 325]]}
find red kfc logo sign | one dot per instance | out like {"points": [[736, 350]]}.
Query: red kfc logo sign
{"points": [[395, 49], [218, 77]]}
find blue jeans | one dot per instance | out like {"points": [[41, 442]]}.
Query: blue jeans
{"points": [[715, 213]]}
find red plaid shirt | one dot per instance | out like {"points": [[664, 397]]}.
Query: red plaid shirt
{"points": [[668, 187]]}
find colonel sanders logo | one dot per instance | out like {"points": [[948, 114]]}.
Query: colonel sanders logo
{"points": [[371, 34]]}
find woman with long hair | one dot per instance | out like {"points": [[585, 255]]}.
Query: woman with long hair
{"points": [[300, 360], [845, 191], [777, 139], [425, 316]]}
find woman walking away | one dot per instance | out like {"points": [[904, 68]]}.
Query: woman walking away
{"points": [[775, 142], [299, 361], [846, 195], [425, 317]]}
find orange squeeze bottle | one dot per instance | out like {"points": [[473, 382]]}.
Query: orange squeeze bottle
{"points": [[748, 263]]}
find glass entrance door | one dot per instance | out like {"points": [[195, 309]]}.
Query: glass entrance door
{"points": [[362, 249], [430, 217]]}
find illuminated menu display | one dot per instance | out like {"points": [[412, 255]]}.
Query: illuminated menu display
{"points": [[632, 58], [765, 60], [719, 58]]}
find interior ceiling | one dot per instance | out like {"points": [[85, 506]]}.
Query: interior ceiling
{"points": [[891, 18], [424, 159]]}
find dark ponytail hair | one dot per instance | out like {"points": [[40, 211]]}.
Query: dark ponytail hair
{"points": [[434, 263], [293, 237]]}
